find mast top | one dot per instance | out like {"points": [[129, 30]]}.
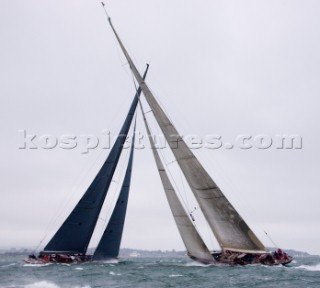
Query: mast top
{"points": [[105, 10]]}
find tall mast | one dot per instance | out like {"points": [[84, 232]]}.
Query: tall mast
{"points": [[229, 228], [110, 241]]}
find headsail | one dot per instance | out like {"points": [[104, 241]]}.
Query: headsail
{"points": [[196, 248], [75, 233], [229, 228], [109, 244]]}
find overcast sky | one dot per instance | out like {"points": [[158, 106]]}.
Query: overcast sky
{"points": [[217, 67]]}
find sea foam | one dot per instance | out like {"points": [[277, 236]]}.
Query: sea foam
{"points": [[175, 275], [196, 264], [37, 265], [42, 284], [309, 267], [45, 284], [8, 265]]}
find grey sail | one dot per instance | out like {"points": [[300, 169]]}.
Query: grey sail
{"points": [[74, 235], [196, 248], [109, 244], [229, 228]]}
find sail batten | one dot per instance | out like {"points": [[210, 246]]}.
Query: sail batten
{"points": [[227, 225]]}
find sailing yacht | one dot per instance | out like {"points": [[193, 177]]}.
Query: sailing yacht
{"points": [[70, 243], [238, 243]]}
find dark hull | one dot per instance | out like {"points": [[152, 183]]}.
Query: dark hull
{"points": [[58, 258], [219, 258], [233, 259]]}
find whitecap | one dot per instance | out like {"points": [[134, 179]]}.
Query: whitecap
{"points": [[42, 284], [175, 275], [78, 268], [109, 261], [197, 264], [8, 265], [112, 273], [309, 267], [37, 265]]}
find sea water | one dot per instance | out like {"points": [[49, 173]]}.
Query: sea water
{"points": [[156, 272]]}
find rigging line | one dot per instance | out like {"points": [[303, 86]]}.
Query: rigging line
{"points": [[162, 156], [134, 81], [119, 49], [184, 190], [186, 204], [171, 162], [166, 166], [169, 172], [75, 189], [159, 101], [210, 235], [121, 172], [105, 10], [162, 106], [167, 112], [275, 245], [176, 189], [119, 52], [159, 144]]}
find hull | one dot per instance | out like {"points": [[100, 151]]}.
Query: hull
{"points": [[220, 258], [234, 258], [58, 258]]}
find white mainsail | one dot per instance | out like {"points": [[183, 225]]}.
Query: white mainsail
{"points": [[229, 228], [196, 248]]}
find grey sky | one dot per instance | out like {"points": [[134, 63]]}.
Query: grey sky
{"points": [[218, 67]]}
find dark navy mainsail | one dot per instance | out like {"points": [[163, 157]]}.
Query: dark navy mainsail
{"points": [[74, 235], [109, 244]]}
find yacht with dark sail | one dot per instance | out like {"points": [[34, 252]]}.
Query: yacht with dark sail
{"points": [[70, 243]]}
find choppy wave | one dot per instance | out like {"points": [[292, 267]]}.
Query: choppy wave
{"points": [[309, 267], [151, 272], [8, 265], [46, 284], [37, 265], [42, 284], [111, 261], [113, 273], [197, 264]]}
